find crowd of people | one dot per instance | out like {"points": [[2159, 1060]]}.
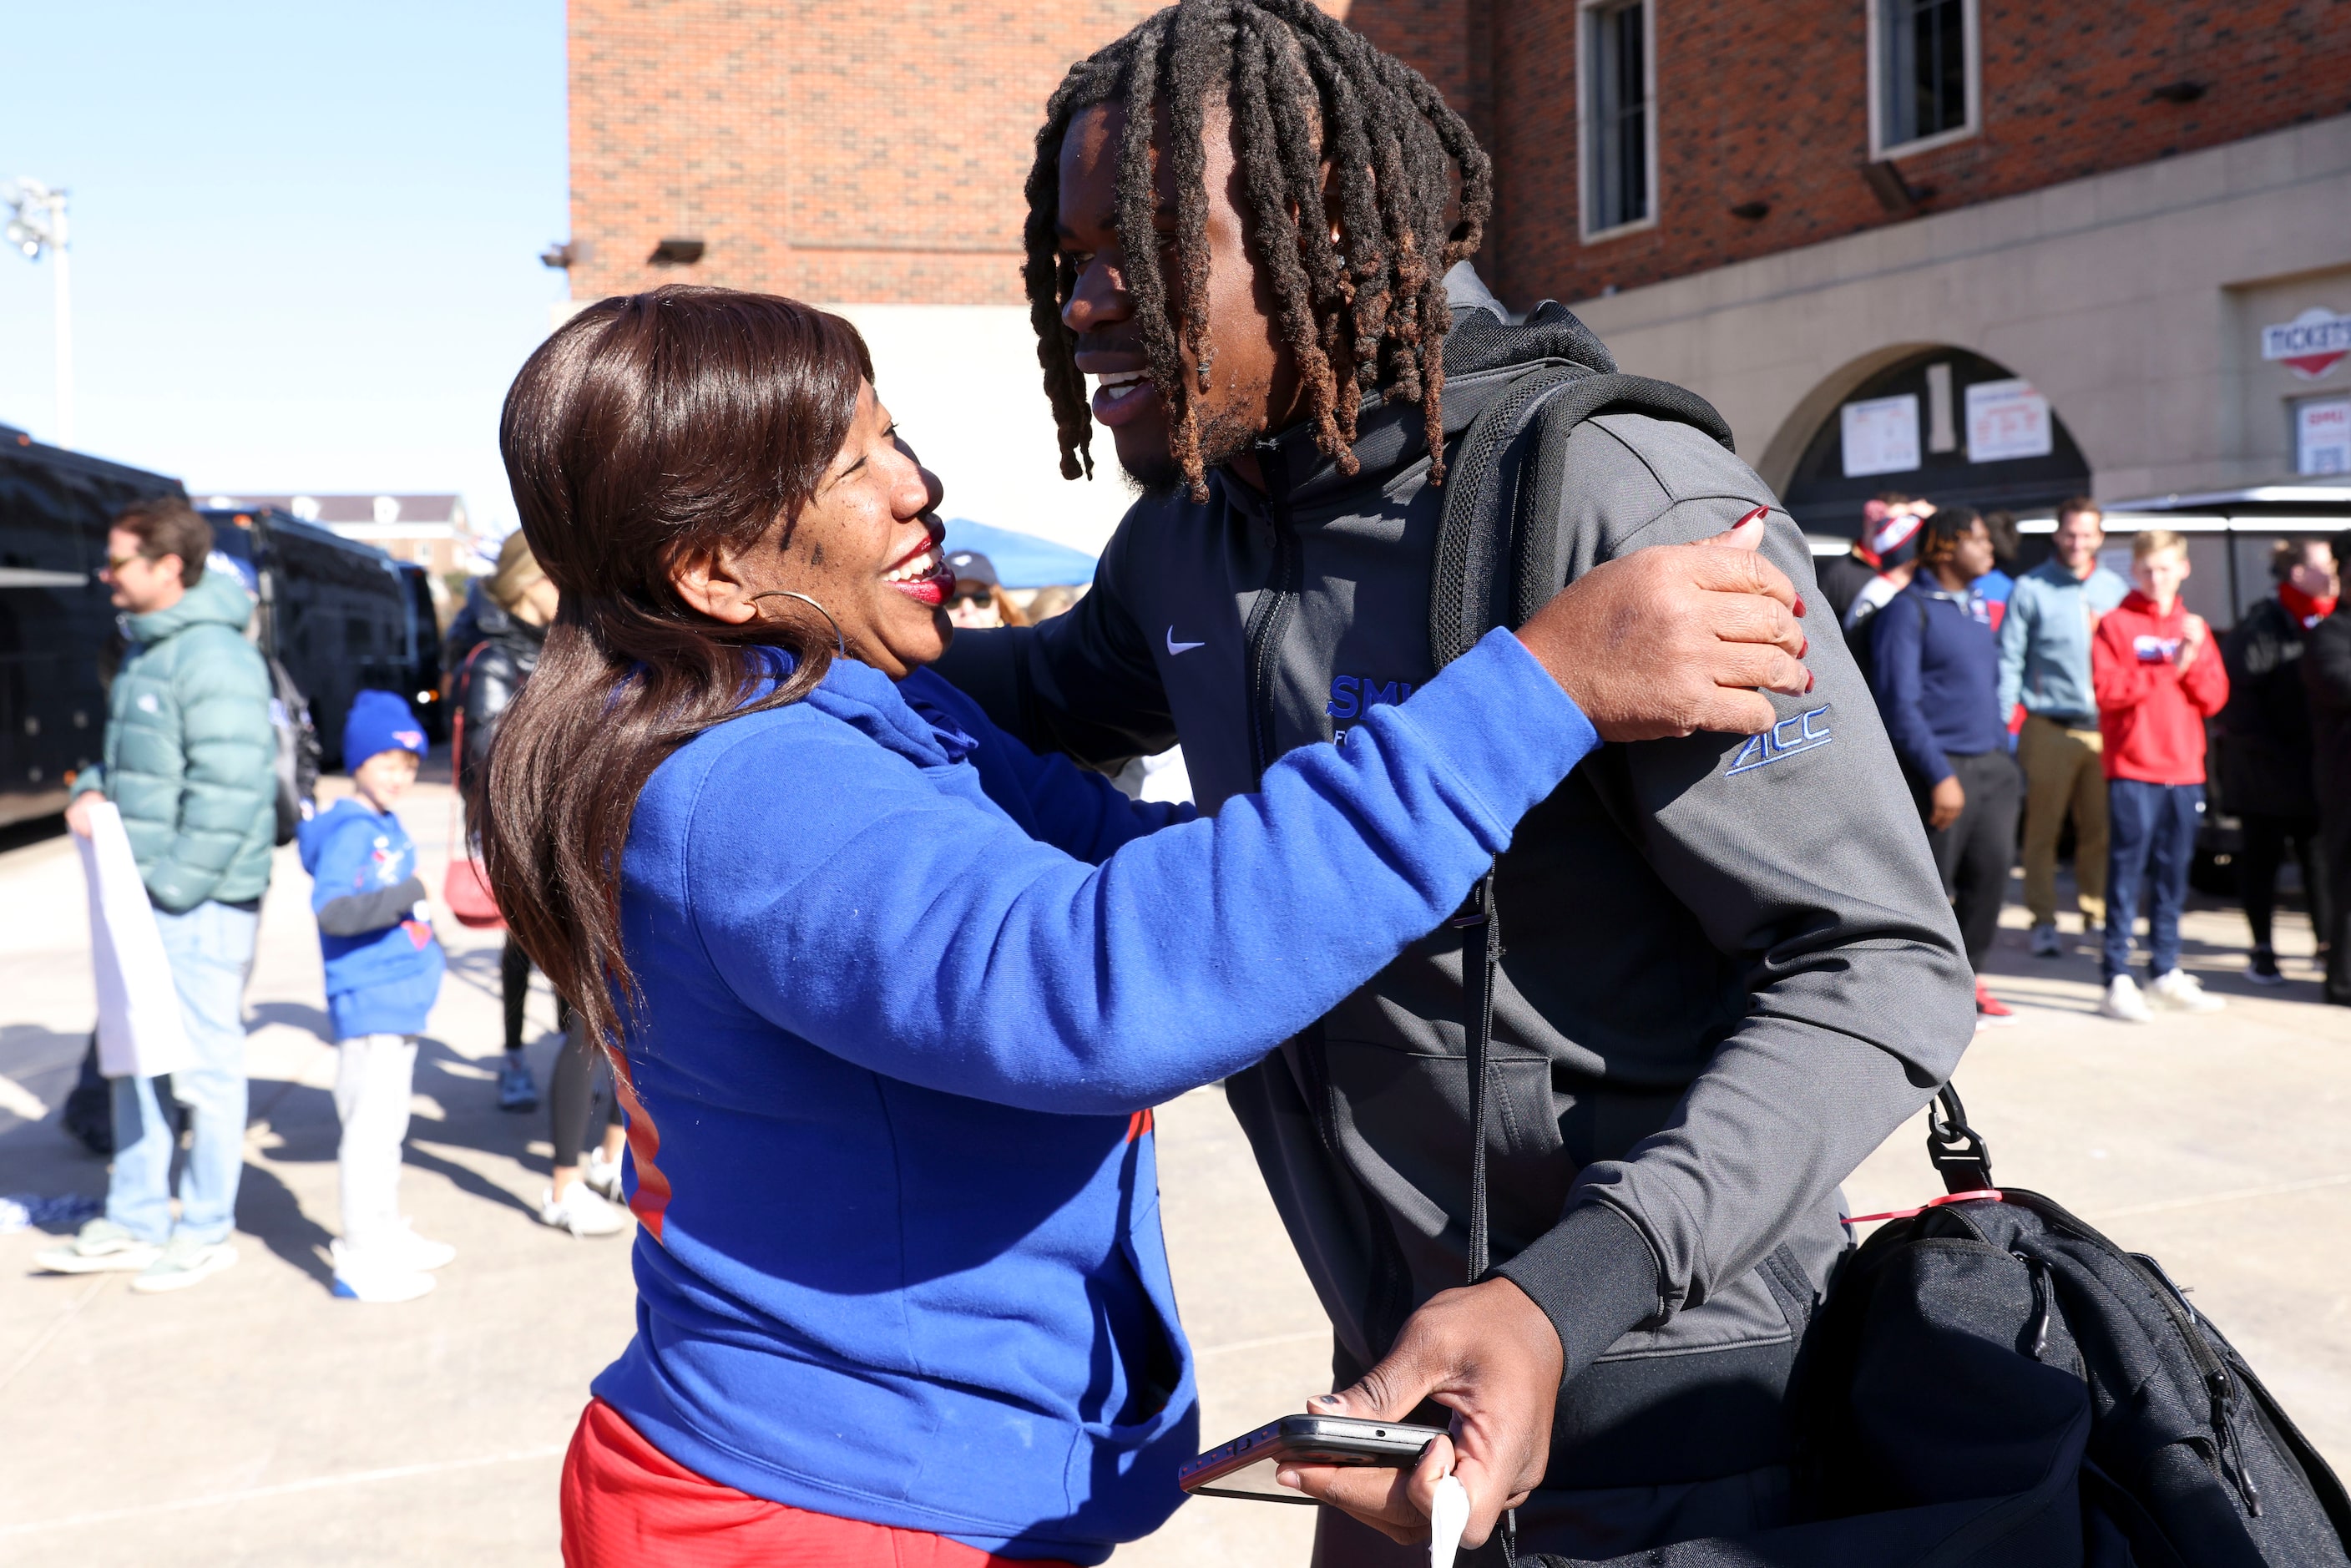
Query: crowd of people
{"points": [[2072, 697], [1557, 967]]}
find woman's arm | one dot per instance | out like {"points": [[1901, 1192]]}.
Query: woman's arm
{"points": [[924, 937]]}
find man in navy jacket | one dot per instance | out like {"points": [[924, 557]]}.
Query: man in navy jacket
{"points": [[1938, 689]]}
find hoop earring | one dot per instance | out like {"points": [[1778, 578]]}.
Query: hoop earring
{"points": [[840, 644]]}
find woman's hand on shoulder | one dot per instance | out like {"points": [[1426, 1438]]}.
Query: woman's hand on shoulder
{"points": [[1677, 638]]}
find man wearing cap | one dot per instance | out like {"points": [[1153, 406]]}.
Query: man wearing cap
{"points": [[190, 763], [2048, 701], [1892, 542], [1842, 578]]}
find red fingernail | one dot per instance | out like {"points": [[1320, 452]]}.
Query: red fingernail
{"points": [[1809, 678], [1805, 649], [1800, 607]]}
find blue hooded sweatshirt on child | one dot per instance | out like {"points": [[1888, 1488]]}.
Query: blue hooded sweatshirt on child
{"points": [[909, 991], [384, 977]]}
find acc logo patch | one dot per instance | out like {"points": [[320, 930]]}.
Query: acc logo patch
{"points": [[1799, 732]]}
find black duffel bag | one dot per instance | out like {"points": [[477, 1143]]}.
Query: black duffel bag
{"points": [[1993, 1384]]}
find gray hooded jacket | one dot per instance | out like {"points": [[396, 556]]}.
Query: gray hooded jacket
{"points": [[1730, 970]]}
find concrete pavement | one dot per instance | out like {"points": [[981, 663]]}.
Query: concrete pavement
{"points": [[255, 1420]]}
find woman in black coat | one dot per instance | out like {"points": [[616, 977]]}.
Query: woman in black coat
{"points": [[511, 623], [2265, 745]]}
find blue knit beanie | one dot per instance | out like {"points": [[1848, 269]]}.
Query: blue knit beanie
{"points": [[380, 721]]}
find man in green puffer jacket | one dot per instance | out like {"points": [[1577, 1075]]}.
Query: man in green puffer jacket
{"points": [[190, 758]]}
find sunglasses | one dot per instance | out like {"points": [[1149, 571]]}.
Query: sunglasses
{"points": [[978, 599], [115, 563]]}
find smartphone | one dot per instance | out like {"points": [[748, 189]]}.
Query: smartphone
{"points": [[1245, 1467]]}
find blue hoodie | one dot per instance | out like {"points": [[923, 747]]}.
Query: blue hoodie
{"points": [[383, 965], [909, 991]]}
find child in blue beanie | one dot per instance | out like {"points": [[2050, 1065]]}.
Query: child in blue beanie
{"points": [[383, 973]]}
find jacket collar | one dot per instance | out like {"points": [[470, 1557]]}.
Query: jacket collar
{"points": [[217, 599], [1484, 354], [904, 717]]}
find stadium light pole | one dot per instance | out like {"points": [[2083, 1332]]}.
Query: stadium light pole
{"points": [[37, 224]]}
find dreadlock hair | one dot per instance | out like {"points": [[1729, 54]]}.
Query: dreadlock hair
{"points": [[1303, 88]]}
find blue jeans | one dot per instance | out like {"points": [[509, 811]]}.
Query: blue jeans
{"points": [[2152, 837], [210, 949]]}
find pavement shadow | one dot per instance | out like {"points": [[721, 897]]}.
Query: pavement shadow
{"points": [[293, 1015], [478, 968], [267, 1210], [308, 1129], [36, 1153]]}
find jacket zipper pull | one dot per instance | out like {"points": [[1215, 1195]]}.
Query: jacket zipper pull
{"points": [[2232, 1453], [2039, 1273]]}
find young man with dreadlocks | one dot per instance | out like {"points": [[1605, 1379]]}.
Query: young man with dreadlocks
{"points": [[1728, 970]]}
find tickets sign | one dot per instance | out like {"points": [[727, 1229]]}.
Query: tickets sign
{"points": [[2310, 345]]}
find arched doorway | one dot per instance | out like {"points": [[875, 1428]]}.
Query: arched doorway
{"points": [[1942, 423]]}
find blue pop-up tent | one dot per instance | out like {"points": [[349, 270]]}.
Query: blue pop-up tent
{"points": [[1021, 561]]}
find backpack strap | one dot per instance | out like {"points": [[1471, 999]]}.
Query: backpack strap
{"points": [[1485, 576]]}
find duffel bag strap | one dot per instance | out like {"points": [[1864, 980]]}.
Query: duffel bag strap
{"points": [[1958, 1151]]}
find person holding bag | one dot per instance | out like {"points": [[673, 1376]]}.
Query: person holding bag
{"points": [[842, 935], [511, 626], [189, 763], [513, 629]]}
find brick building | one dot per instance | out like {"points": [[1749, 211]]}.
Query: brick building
{"points": [[2061, 233]]}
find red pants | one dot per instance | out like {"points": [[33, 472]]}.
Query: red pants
{"points": [[626, 1504]]}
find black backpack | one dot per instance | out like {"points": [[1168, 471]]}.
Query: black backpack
{"points": [[297, 751], [1991, 1383]]}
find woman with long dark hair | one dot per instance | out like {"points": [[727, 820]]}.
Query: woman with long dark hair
{"points": [[890, 997]]}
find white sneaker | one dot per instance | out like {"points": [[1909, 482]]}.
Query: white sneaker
{"points": [[2179, 989], [580, 1212], [2122, 1001], [378, 1274], [183, 1263], [101, 1246], [604, 1176], [2046, 944], [415, 1251]]}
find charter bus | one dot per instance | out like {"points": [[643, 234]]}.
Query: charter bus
{"points": [[340, 615]]}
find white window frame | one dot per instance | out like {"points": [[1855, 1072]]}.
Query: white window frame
{"points": [[1971, 45], [1587, 128]]}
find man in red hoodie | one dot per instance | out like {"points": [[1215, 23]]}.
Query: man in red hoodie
{"points": [[2158, 678]]}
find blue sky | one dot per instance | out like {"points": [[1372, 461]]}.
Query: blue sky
{"points": [[304, 237]]}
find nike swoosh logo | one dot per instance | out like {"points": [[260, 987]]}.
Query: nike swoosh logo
{"points": [[1175, 647]]}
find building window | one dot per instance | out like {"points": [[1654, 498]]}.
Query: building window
{"points": [[1924, 74], [1619, 93]]}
